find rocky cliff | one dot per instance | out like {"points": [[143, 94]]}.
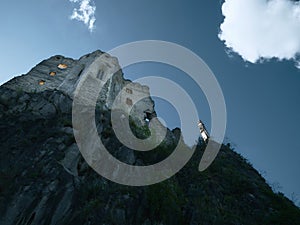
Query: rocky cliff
{"points": [[63, 75], [45, 180]]}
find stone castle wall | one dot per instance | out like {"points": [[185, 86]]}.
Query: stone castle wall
{"points": [[63, 74]]}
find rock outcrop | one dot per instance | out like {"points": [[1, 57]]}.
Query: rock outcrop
{"points": [[63, 74], [45, 180]]}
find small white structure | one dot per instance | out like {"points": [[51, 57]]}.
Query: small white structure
{"points": [[203, 131]]}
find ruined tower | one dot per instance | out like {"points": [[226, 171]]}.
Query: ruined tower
{"points": [[63, 74]]}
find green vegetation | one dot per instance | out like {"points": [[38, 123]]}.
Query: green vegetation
{"points": [[141, 132], [165, 201], [229, 192]]}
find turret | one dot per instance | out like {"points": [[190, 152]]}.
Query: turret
{"points": [[203, 131]]}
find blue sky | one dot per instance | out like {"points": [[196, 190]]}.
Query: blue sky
{"points": [[262, 93]]}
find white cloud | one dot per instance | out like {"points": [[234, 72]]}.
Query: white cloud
{"points": [[297, 64], [85, 13], [262, 29]]}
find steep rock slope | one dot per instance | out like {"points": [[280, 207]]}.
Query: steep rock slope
{"points": [[45, 180]]}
